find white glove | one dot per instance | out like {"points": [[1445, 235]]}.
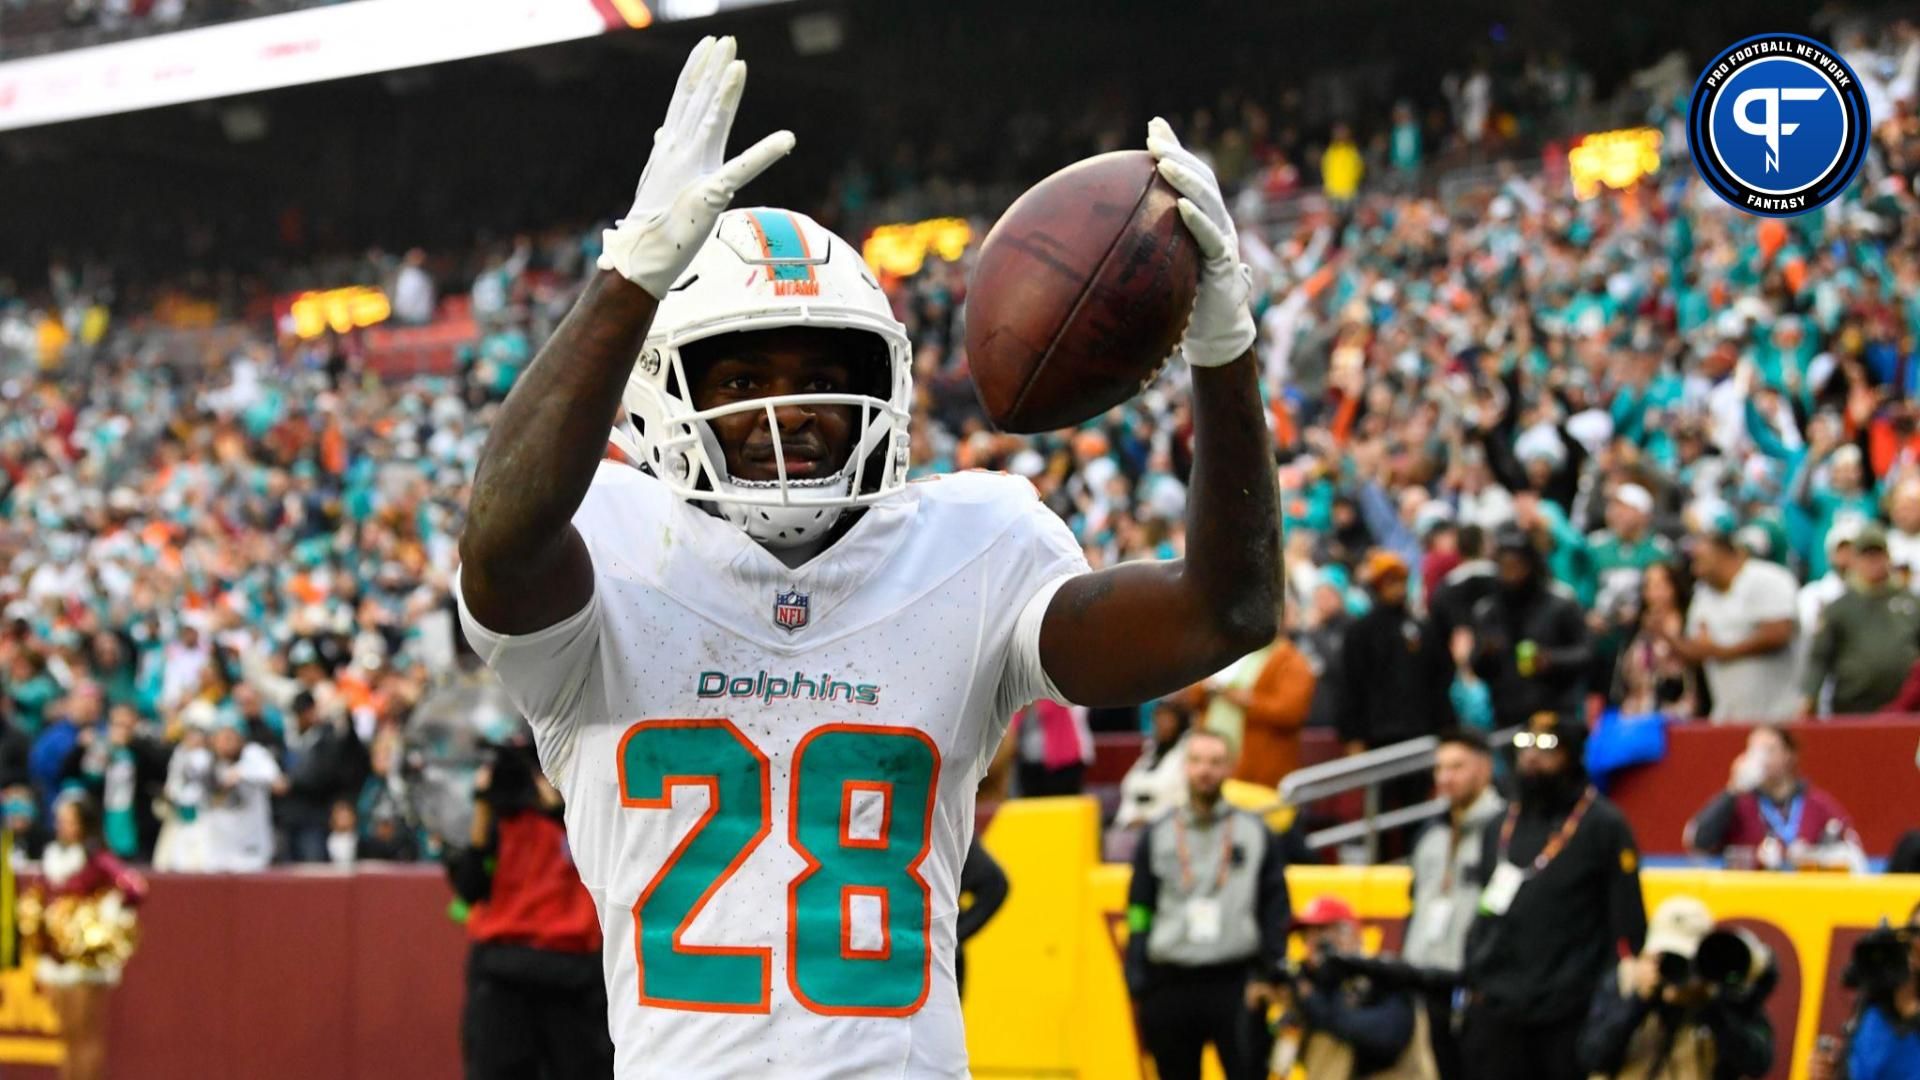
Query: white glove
{"points": [[685, 186], [1221, 328]]}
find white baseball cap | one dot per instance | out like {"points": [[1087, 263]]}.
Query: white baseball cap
{"points": [[1635, 496], [1678, 926]]}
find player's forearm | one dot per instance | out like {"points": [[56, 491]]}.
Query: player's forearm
{"points": [[552, 430], [1233, 528]]}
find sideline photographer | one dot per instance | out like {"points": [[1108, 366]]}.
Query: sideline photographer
{"points": [[536, 1004], [1689, 1007], [1340, 1019], [1883, 1038]]}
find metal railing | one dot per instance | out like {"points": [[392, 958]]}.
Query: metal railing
{"points": [[1368, 771]]}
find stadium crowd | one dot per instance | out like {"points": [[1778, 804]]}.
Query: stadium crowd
{"points": [[225, 578]]}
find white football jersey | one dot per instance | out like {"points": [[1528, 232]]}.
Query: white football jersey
{"points": [[770, 772]]}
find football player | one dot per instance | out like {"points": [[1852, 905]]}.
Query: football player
{"points": [[765, 671]]}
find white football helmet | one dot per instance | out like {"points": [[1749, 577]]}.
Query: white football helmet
{"points": [[761, 269]]}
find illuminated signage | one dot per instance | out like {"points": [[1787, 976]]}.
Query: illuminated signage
{"points": [[901, 249], [339, 310], [314, 44], [1614, 158]]}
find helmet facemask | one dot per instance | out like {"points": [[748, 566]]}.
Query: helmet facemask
{"points": [[762, 270], [785, 511]]}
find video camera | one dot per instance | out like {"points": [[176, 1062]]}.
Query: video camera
{"points": [[1732, 960], [1318, 970], [1881, 962], [1330, 967]]}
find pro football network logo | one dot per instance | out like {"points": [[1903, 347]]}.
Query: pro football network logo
{"points": [[790, 610], [1778, 124]]}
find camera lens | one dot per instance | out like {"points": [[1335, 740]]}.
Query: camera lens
{"points": [[1674, 968], [1724, 957]]}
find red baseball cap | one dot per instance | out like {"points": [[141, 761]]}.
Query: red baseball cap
{"points": [[1325, 911]]}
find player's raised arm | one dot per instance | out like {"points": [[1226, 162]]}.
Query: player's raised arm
{"points": [[523, 566], [1139, 630]]}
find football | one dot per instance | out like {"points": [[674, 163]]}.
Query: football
{"points": [[1081, 292]]}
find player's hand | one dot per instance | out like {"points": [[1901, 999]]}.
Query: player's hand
{"points": [[1221, 329], [686, 185]]}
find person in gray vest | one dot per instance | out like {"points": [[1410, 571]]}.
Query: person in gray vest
{"points": [[1444, 897], [1207, 917]]}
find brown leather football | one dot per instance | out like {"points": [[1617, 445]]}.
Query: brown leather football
{"points": [[1080, 293]]}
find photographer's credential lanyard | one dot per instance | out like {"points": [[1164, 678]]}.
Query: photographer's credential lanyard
{"points": [[1786, 828]]}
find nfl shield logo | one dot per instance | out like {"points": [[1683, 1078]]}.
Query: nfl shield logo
{"points": [[790, 610]]}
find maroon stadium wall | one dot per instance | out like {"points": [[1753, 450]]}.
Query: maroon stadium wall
{"points": [[291, 975]]}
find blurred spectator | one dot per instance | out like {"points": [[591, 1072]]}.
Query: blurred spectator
{"points": [[326, 762], [343, 835], [1444, 896], [240, 778], [1771, 814], [1472, 99], [1406, 143], [1207, 916], [1652, 676], [1868, 639], [413, 291], [1561, 901], [1156, 782], [1341, 166], [261, 724], [385, 818], [1612, 559], [1530, 641], [1816, 595], [78, 711], [1740, 628], [1349, 1025], [1469, 582], [1397, 672], [26, 828], [1053, 746], [1261, 703], [1903, 515], [1657, 1015], [30, 691], [124, 769], [1322, 642], [1471, 699]]}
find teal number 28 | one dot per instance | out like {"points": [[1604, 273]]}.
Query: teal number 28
{"points": [[831, 969]]}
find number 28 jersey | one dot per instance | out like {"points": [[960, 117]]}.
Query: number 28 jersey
{"points": [[770, 772]]}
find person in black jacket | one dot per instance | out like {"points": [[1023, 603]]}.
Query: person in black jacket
{"points": [[1397, 673], [1396, 670], [1674, 1011], [1464, 586], [125, 770], [1560, 901], [1531, 643], [325, 762], [984, 886]]}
